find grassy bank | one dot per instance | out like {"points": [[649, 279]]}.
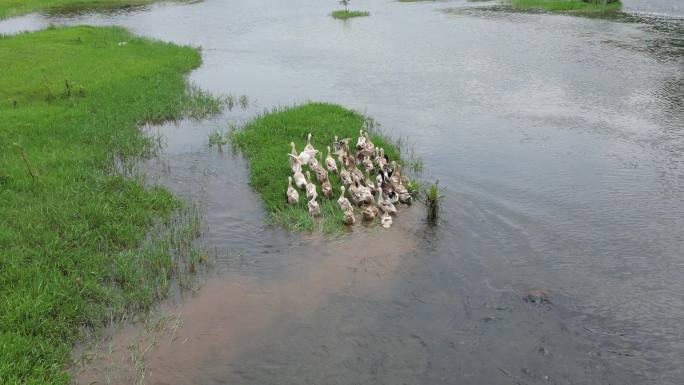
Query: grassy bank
{"points": [[73, 244], [345, 14], [265, 143], [567, 5], [10, 8]]}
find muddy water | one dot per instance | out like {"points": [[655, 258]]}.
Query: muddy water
{"points": [[559, 140]]}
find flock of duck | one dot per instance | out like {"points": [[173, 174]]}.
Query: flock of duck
{"points": [[376, 197]]}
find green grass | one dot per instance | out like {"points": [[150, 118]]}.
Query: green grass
{"points": [[265, 142], [74, 244], [11, 8], [433, 197], [566, 5], [344, 14]]}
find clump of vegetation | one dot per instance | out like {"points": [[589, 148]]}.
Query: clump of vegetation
{"points": [[266, 143], [219, 139], [345, 13], [414, 187], [433, 197], [244, 101], [17, 8], [230, 101], [75, 241], [568, 5]]}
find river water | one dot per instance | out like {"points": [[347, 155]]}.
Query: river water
{"points": [[559, 139]]}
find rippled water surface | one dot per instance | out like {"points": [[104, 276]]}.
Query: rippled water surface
{"points": [[560, 140]]}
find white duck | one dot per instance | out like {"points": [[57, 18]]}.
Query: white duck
{"points": [[314, 208], [337, 146], [327, 189], [300, 180], [385, 203], [308, 156], [340, 144], [381, 160], [364, 193], [347, 157], [295, 163], [392, 196], [370, 212], [345, 176], [310, 188], [319, 170], [312, 162], [368, 145], [349, 218], [368, 164], [361, 141], [343, 202], [330, 163], [386, 218], [355, 171], [293, 150], [292, 194], [403, 194], [309, 146], [355, 191]]}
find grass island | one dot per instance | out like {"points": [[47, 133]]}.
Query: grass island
{"points": [[580, 6], [344, 14], [265, 142]]}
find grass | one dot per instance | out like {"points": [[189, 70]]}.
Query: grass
{"points": [[11, 8], [567, 5], [344, 14], [433, 197], [265, 143], [75, 247]]}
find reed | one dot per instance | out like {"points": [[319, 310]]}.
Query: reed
{"points": [[433, 198]]}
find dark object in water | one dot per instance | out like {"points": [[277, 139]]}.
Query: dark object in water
{"points": [[537, 297]]}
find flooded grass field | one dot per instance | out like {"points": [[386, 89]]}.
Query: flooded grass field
{"points": [[557, 257]]}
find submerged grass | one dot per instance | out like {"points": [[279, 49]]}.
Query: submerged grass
{"points": [[433, 197], [568, 5], [265, 143], [74, 243], [11, 8], [345, 14]]}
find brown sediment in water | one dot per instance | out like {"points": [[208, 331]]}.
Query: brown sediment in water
{"points": [[228, 312]]}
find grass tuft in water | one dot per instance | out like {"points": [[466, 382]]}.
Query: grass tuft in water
{"points": [[433, 197], [81, 239], [219, 139], [344, 14], [265, 143]]}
